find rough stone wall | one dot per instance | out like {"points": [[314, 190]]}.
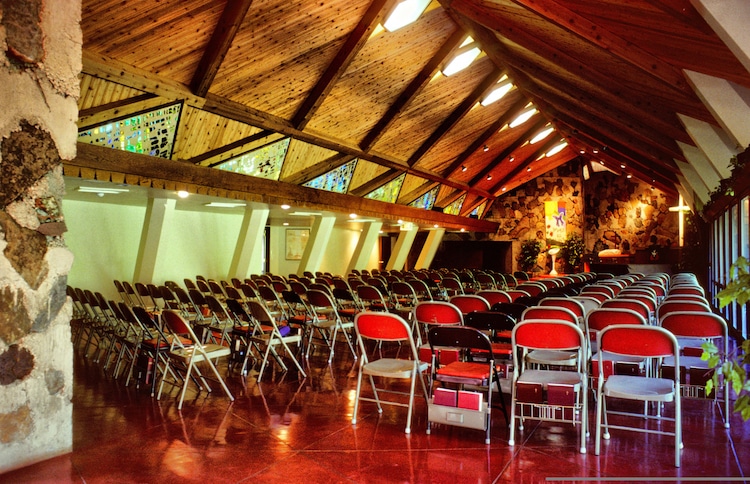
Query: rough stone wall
{"points": [[39, 86], [520, 212], [624, 214]]}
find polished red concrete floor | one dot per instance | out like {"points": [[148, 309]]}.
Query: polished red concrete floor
{"points": [[287, 429]]}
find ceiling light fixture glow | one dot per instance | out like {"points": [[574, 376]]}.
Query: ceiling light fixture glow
{"points": [[497, 93], [405, 13], [104, 190], [224, 204], [523, 117], [557, 148], [463, 58], [183, 194], [542, 134], [286, 207]]}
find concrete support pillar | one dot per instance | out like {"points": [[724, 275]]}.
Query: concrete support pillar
{"points": [[695, 181], [434, 237], [320, 232], [712, 141], [728, 102], [729, 19], [248, 254], [159, 211], [702, 165], [402, 248], [366, 244]]}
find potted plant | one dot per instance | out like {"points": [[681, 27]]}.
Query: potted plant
{"points": [[733, 365], [530, 250], [572, 251]]}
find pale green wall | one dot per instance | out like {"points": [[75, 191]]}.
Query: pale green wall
{"points": [[104, 238]]}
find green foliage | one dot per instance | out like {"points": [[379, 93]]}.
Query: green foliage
{"points": [[572, 249], [530, 250], [732, 367], [738, 289]]}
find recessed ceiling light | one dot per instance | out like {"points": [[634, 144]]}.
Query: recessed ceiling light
{"points": [[352, 215], [183, 194], [224, 204], [286, 207], [103, 190]]}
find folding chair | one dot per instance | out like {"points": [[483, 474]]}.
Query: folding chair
{"points": [[547, 394], [494, 296], [188, 356], [469, 302], [386, 327], [472, 409], [550, 357], [274, 337], [692, 329], [648, 342], [328, 322]]}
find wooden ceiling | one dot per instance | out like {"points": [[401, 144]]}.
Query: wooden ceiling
{"points": [[607, 74]]}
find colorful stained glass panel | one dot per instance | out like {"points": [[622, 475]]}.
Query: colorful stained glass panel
{"points": [[389, 191], [264, 162], [426, 201], [150, 132], [336, 180], [455, 207]]}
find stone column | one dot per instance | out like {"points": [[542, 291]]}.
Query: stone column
{"points": [[39, 89]]}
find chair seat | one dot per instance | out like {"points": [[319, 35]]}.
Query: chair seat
{"points": [[465, 369], [639, 388], [212, 350], [552, 357], [545, 377], [393, 367]]}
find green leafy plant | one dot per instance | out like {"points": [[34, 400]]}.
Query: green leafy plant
{"points": [[530, 250], [572, 250], [733, 365]]}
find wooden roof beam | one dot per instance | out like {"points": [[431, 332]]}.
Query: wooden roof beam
{"points": [[105, 67], [523, 164], [539, 124], [218, 45], [375, 183], [461, 110], [488, 133], [318, 169], [412, 90], [354, 42]]}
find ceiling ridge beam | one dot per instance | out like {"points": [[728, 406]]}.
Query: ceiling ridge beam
{"points": [[617, 46], [457, 115], [412, 90], [141, 170], [353, 44], [318, 169], [488, 133], [539, 124], [218, 45], [107, 68]]}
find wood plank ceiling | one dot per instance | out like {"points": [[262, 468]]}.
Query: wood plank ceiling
{"points": [[608, 76]]}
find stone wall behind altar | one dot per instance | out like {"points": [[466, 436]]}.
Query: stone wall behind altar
{"points": [[608, 211]]}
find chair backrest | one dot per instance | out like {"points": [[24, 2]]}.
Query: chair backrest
{"points": [[371, 295], [686, 297], [404, 291], [548, 334], [598, 319], [575, 306], [437, 312], [494, 296], [692, 289], [320, 299], [517, 293], [667, 307], [470, 302], [532, 288], [460, 337], [511, 309], [695, 324], [598, 289], [490, 321], [631, 304], [647, 299], [640, 341], [421, 289], [203, 286], [383, 326], [549, 312], [452, 285]]}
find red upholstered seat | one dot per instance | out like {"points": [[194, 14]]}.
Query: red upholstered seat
{"points": [[465, 369]]}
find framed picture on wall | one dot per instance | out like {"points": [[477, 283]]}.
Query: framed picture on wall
{"points": [[296, 241]]}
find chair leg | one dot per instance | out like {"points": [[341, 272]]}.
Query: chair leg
{"points": [[511, 438], [414, 375], [356, 395]]}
